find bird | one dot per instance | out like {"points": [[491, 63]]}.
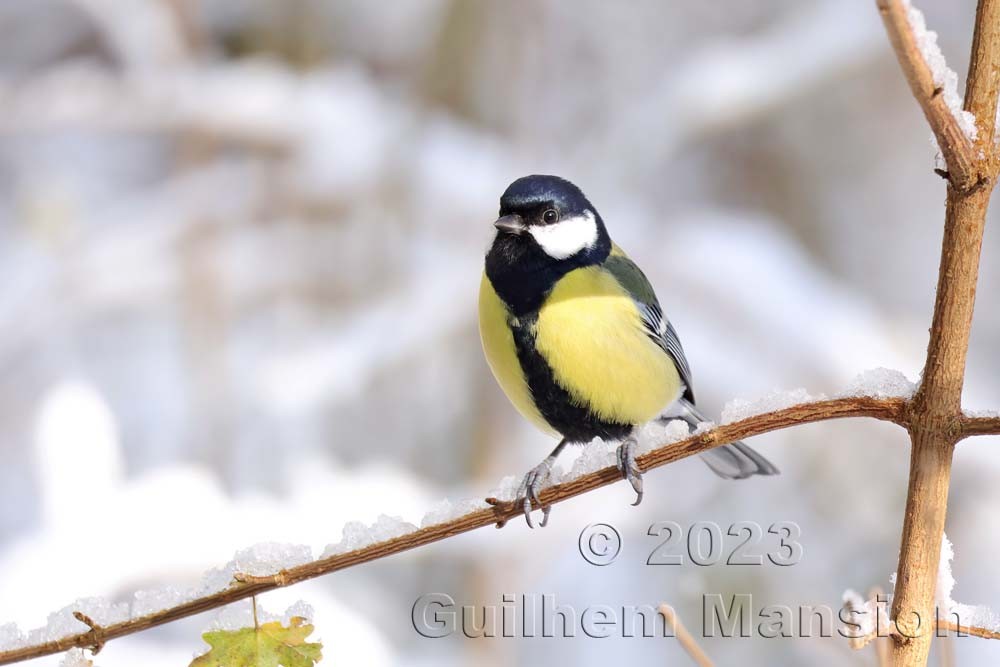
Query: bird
{"points": [[574, 335]]}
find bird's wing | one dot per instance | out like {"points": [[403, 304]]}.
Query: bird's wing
{"points": [[658, 327]]}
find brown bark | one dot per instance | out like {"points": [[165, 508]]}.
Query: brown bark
{"points": [[936, 422], [955, 146], [888, 409]]}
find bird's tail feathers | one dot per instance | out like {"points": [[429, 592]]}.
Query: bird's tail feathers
{"points": [[737, 460]]}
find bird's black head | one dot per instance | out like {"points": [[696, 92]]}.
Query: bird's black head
{"points": [[546, 228]]}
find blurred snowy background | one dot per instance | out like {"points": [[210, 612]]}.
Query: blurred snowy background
{"points": [[240, 246]]}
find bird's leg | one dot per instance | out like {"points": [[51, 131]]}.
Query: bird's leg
{"points": [[527, 493], [628, 467]]}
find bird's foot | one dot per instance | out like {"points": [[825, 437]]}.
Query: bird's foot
{"points": [[629, 468], [527, 493]]}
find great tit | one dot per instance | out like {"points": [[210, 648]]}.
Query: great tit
{"points": [[575, 336]]}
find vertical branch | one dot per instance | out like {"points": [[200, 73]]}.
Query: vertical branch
{"points": [[920, 551], [935, 413], [981, 84]]}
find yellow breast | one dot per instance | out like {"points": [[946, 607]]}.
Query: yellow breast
{"points": [[501, 355], [591, 333]]}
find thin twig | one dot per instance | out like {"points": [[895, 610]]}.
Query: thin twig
{"points": [[95, 632], [245, 586], [956, 149], [947, 626], [980, 426], [885, 627], [684, 637], [946, 652], [984, 633]]}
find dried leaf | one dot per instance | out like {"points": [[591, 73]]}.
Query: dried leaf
{"points": [[269, 645]]}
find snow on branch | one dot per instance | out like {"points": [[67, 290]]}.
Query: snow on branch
{"points": [[935, 86], [986, 423], [256, 571], [870, 619]]}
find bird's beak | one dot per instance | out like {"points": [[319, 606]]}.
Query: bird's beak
{"points": [[512, 224]]}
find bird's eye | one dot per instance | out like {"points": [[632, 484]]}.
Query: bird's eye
{"points": [[550, 216]]}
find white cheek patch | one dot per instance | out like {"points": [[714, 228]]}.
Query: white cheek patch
{"points": [[568, 236]]}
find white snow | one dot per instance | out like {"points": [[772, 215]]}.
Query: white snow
{"points": [[62, 623], [595, 455], [507, 488], [387, 527], [859, 611], [259, 560], [357, 535], [977, 616], [656, 434], [703, 427], [741, 408], [149, 601], [354, 535], [240, 615], [10, 637], [271, 557], [446, 510], [75, 657], [944, 76], [880, 383], [945, 579]]}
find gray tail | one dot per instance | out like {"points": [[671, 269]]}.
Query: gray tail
{"points": [[736, 460]]}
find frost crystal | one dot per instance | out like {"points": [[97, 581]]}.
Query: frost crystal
{"points": [[10, 637], [75, 657], [387, 527], [982, 414], [241, 615], [595, 455], [259, 560], [62, 623], [977, 616], [356, 535], [881, 383], [506, 489], [945, 579], [740, 408], [659, 433], [146, 602], [944, 77], [859, 613], [270, 557], [445, 510]]}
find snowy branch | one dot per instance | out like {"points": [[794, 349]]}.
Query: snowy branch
{"points": [[980, 425], [928, 81], [498, 513], [884, 627]]}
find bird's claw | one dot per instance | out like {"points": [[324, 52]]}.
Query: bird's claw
{"points": [[527, 493], [629, 468]]}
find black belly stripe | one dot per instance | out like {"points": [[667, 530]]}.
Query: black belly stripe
{"points": [[576, 423]]}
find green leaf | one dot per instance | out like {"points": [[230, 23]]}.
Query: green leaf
{"points": [[269, 645]]}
